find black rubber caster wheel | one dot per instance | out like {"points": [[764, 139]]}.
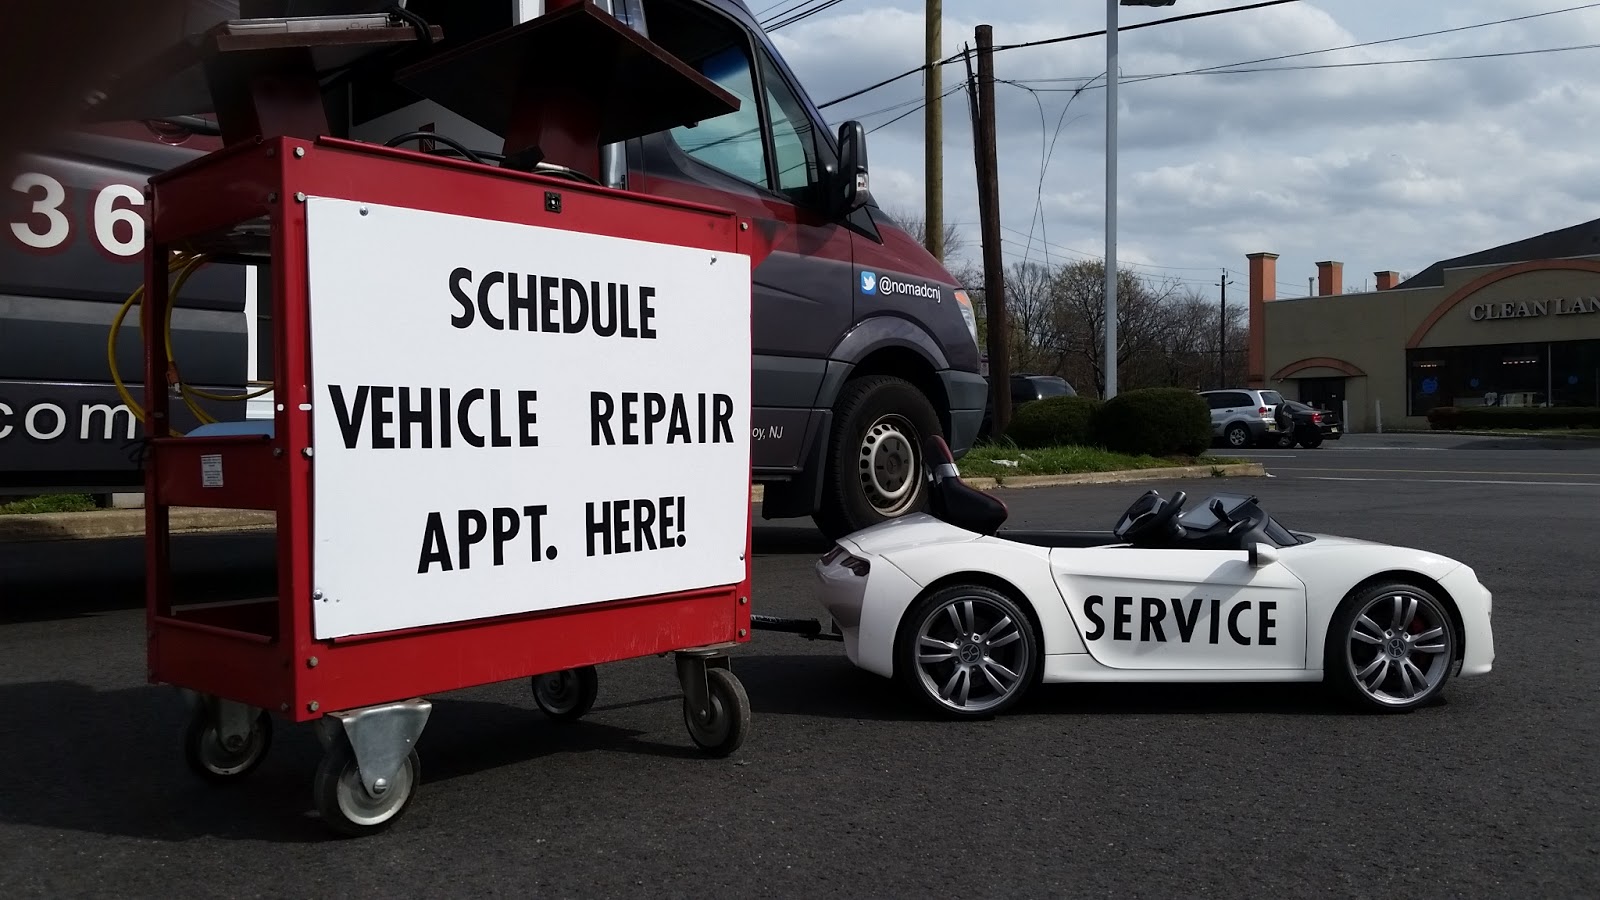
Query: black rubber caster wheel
{"points": [[568, 695], [343, 801], [725, 729], [210, 759]]}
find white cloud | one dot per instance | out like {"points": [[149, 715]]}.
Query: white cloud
{"points": [[1382, 167]]}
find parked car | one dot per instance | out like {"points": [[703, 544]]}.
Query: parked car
{"points": [[1304, 424], [1026, 388], [1243, 417]]}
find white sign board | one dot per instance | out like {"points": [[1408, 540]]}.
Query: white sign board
{"points": [[511, 418]]}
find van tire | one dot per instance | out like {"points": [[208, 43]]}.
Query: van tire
{"points": [[875, 465]]}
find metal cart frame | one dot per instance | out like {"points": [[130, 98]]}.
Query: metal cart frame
{"points": [[247, 663], [251, 660]]}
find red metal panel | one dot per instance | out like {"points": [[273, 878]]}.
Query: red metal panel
{"points": [[250, 473], [417, 663], [274, 670], [397, 177], [214, 192], [211, 661]]}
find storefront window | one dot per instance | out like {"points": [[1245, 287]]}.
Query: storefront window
{"points": [[1541, 374]]}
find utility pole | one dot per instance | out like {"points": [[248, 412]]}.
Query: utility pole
{"points": [[1111, 199], [994, 286], [1222, 334], [933, 140]]}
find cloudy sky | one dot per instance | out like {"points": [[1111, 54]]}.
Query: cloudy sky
{"points": [[1380, 167]]}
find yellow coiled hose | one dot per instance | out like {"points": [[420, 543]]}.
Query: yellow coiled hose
{"points": [[185, 264]]}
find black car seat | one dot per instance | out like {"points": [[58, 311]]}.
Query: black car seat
{"points": [[951, 500]]}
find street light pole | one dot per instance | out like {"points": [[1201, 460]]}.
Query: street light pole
{"points": [[1111, 199]]}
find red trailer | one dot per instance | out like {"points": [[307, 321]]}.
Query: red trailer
{"points": [[454, 345]]}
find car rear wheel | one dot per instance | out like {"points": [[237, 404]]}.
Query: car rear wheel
{"points": [[875, 463], [968, 652], [1390, 647]]}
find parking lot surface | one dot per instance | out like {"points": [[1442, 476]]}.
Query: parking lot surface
{"points": [[846, 789]]}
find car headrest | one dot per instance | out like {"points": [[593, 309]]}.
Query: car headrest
{"points": [[951, 500], [941, 462]]}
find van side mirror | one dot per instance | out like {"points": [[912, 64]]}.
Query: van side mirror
{"points": [[1262, 555], [851, 183]]}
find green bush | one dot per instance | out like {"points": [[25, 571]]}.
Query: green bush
{"points": [[1155, 422], [1444, 418], [1489, 418], [1054, 422]]}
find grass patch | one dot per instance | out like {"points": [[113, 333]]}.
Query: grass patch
{"points": [[981, 461], [48, 503]]}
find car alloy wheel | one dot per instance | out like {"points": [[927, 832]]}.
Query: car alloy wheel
{"points": [[1238, 435], [969, 651], [1397, 647]]}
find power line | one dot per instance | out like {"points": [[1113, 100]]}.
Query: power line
{"points": [[1056, 40], [919, 105], [792, 9], [1136, 79], [1390, 40], [1046, 153], [802, 16]]}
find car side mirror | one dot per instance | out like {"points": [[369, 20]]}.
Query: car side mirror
{"points": [[1262, 555], [851, 182]]}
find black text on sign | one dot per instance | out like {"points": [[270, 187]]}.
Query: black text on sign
{"points": [[508, 301], [502, 527], [428, 418], [631, 526], [645, 418]]}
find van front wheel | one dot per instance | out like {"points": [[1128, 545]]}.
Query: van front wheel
{"points": [[875, 462]]}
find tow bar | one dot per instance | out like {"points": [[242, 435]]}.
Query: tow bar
{"points": [[811, 629]]}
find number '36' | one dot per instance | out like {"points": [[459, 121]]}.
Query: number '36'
{"points": [[118, 227]]}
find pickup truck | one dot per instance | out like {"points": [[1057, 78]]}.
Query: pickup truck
{"points": [[864, 344]]}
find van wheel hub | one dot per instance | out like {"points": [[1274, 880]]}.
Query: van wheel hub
{"points": [[889, 465]]}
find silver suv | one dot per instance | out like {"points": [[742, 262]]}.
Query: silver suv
{"points": [[1244, 417]]}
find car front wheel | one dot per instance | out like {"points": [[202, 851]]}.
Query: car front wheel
{"points": [[1390, 647], [968, 651]]}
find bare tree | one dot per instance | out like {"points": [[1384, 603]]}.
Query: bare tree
{"points": [[916, 224]]}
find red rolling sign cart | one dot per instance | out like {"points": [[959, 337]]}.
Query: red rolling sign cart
{"points": [[510, 427]]}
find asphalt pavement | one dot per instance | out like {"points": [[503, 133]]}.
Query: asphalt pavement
{"points": [[844, 788]]}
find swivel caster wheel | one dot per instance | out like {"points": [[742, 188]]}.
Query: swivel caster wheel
{"points": [[219, 759], [723, 730], [345, 804], [567, 695]]}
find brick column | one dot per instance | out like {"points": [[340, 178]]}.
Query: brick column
{"points": [[1330, 278], [1263, 290]]}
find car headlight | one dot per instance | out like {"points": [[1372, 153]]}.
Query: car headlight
{"points": [[968, 314], [850, 561]]}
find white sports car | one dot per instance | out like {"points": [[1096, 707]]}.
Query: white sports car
{"points": [[970, 617]]}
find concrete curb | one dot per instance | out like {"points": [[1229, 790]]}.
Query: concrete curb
{"points": [[1008, 482], [1512, 434], [123, 523], [126, 523]]}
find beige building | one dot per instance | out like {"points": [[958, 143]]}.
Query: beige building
{"points": [[1515, 325]]}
